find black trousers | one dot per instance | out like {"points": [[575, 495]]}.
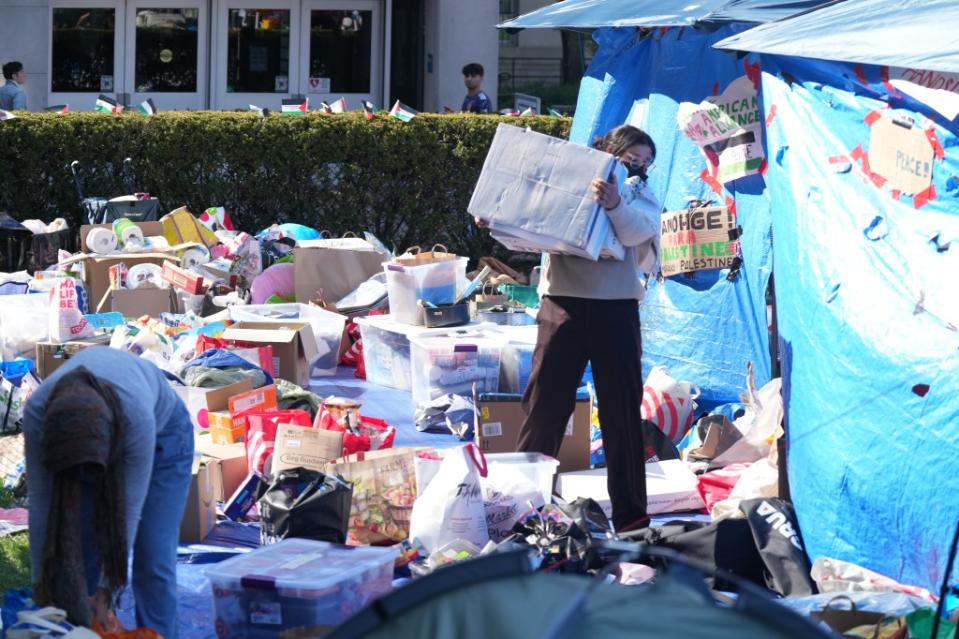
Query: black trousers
{"points": [[572, 332]]}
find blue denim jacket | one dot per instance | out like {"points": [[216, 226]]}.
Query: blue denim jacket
{"points": [[13, 97]]}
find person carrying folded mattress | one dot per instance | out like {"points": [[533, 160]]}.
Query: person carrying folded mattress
{"points": [[109, 450], [590, 313]]}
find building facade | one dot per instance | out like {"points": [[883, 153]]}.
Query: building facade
{"points": [[229, 54]]}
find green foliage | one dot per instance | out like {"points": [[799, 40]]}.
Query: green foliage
{"points": [[14, 561], [409, 183]]}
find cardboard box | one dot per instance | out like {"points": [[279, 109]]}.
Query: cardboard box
{"points": [[227, 465], [96, 269], [263, 398], [224, 429], [299, 446], [199, 516], [140, 301], [182, 279], [527, 177], [294, 346], [243, 498], [670, 487], [499, 417], [50, 355], [335, 271], [150, 229], [200, 402]]}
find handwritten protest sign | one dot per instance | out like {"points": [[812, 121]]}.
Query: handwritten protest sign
{"points": [[901, 153], [698, 239], [728, 129]]}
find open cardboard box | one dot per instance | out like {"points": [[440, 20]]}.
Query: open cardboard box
{"points": [[51, 355], [199, 516], [294, 346], [227, 465], [499, 417], [200, 402], [138, 302]]}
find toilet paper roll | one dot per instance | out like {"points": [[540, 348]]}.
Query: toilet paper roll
{"points": [[141, 274], [194, 256], [102, 241], [128, 232]]}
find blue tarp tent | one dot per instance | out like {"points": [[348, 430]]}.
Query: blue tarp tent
{"points": [[593, 14], [867, 257]]}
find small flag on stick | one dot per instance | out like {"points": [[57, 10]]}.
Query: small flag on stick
{"points": [[369, 109], [339, 106], [402, 112], [295, 106], [6, 115], [106, 104], [58, 108], [555, 113], [261, 112], [147, 108]]}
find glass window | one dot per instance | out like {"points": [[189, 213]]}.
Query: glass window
{"points": [[341, 49], [258, 53], [82, 57], [166, 50]]}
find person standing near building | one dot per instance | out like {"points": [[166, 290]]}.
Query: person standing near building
{"points": [[590, 313], [476, 100], [109, 450], [12, 95]]}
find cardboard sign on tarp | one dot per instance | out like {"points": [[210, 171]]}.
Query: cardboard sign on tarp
{"points": [[865, 293], [698, 239], [703, 328]]}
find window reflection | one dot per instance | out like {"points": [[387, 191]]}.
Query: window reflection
{"points": [[258, 53], [166, 50], [341, 48], [82, 50]]}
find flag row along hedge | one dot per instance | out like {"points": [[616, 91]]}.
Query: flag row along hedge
{"points": [[409, 183]]}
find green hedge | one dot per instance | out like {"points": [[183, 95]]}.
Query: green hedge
{"points": [[409, 183]]}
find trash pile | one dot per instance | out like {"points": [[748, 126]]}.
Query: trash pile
{"points": [[245, 325]]}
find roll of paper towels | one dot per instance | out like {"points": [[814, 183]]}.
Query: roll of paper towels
{"points": [[142, 274], [128, 232], [102, 241], [194, 256]]}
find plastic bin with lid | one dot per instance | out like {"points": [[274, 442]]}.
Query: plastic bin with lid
{"points": [[327, 327], [516, 359], [445, 364], [436, 283], [296, 583], [386, 348]]}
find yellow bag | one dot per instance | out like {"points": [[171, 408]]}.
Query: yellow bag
{"points": [[180, 227]]}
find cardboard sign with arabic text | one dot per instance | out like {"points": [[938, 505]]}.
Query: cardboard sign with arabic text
{"points": [[698, 239]]}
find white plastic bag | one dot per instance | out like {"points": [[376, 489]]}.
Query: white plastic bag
{"points": [[66, 321], [23, 322], [508, 495], [669, 403], [451, 506], [760, 425]]}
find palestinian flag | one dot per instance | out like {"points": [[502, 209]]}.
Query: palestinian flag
{"points": [[369, 109], [6, 115], [105, 104], [296, 106], [261, 112], [528, 111], [147, 108], [555, 113], [339, 106], [325, 107], [402, 112], [58, 108]]}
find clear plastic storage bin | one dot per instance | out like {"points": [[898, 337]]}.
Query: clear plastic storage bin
{"points": [[386, 348], [296, 583], [327, 328], [539, 468], [516, 359], [437, 283], [452, 364]]}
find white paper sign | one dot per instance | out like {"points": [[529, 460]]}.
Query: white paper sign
{"points": [[318, 85], [728, 129]]}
